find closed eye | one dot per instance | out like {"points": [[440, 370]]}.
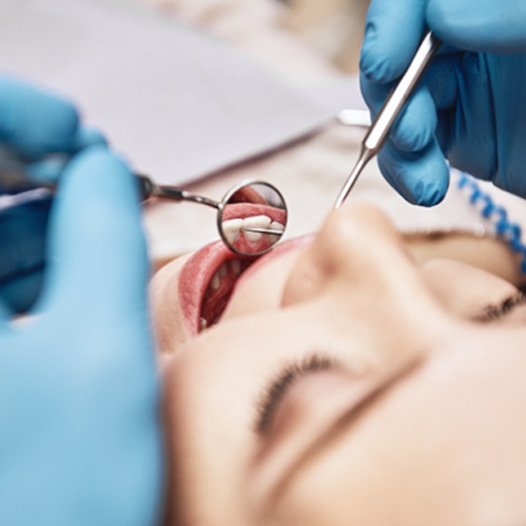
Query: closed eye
{"points": [[274, 392], [268, 402], [496, 312]]}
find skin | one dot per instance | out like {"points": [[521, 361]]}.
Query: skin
{"points": [[420, 422]]}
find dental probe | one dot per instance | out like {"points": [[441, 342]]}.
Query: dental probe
{"points": [[382, 124]]}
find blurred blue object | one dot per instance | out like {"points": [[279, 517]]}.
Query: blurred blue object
{"points": [[38, 132], [79, 394], [23, 253]]}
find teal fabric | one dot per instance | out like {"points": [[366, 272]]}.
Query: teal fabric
{"points": [[470, 107], [79, 395]]}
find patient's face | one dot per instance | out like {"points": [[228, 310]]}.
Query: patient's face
{"points": [[343, 384]]}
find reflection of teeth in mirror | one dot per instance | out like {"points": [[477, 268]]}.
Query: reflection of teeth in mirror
{"points": [[231, 228], [255, 222], [277, 226]]}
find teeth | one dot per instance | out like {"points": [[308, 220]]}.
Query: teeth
{"points": [[202, 324], [231, 228], [255, 222], [277, 226], [215, 281]]}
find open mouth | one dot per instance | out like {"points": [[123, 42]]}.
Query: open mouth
{"points": [[206, 283], [219, 291], [208, 278]]}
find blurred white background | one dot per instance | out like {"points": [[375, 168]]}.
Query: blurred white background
{"points": [[335, 27]]}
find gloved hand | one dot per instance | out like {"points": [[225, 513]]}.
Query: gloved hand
{"points": [[33, 125], [80, 442], [470, 107]]}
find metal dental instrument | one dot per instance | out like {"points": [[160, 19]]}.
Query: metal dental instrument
{"points": [[379, 130], [267, 217], [251, 217]]}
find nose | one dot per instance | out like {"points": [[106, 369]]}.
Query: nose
{"points": [[358, 249], [361, 283]]}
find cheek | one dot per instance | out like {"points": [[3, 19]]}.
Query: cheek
{"points": [[262, 288], [464, 290]]}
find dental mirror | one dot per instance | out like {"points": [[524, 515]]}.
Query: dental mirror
{"points": [[251, 217]]}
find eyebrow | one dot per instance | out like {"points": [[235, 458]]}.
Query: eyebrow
{"points": [[343, 423]]}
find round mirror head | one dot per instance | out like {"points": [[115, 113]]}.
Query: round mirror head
{"points": [[252, 218]]}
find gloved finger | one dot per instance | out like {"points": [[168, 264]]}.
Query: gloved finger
{"points": [[467, 119], [49, 169], [421, 178], [87, 137], [22, 254], [393, 32], [484, 25], [35, 123], [20, 294], [441, 80], [97, 248], [415, 127], [5, 316]]}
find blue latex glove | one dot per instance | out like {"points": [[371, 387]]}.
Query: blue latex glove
{"points": [[470, 107], [22, 254], [34, 124], [80, 441]]}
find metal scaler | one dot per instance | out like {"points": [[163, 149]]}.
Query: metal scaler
{"points": [[379, 130]]}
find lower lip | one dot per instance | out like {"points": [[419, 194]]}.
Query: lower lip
{"points": [[194, 278]]}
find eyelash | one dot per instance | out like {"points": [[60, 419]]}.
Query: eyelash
{"points": [[282, 381], [498, 311]]}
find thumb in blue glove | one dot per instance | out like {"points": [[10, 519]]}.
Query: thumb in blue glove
{"points": [[469, 109], [80, 441]]}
